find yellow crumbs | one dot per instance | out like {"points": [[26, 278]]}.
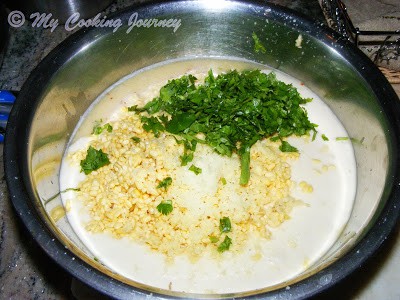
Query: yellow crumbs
{"points": [[306, 187], [122, 197], [57, 213]]}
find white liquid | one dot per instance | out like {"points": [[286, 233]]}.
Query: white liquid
{"points": [[294, 246]]}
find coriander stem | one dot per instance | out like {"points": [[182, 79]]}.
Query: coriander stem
{"points": [[245, 166]]}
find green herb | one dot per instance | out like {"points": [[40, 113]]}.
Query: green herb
{"points": [[108, 127], [94, 160], [258, 46], [324, 137], [314, 134], [70, 189], [225, 245], [223, 180], [195, 170], [135, 139], [95, 259], [133, 108], [231, 111], [186, 158], [286, 147], [225, 225], [165, 183], [213, 239], [47, 201], [188, 151], [357, 141], [353, 140], [99, 129], [245, 165], [165, 207], [152, 124]]}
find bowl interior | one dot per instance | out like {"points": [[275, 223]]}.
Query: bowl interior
{"points": [[74, 75]]}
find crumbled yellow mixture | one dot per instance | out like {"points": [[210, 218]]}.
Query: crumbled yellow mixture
{"points": [[306, 187], [122, 197], [57, 213]]}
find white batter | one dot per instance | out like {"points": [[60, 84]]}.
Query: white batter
{"points": [[329, 166]]}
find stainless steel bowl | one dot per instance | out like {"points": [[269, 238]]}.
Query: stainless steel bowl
{"points": [[68, 80]]}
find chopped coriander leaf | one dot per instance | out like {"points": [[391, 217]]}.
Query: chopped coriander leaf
{"points": [[135, 139], [258, 46], [165, 183], [94, 160], [231, 111], [179, 123], [245, 166], [186, 158], [99, 129], [188, 151], [225, 225], [165, 207], [225, 245], [71, 189], [314, 134], [152, 124], [213, 239], [324, 137], [108, 127], [45, 202], [357, 141], [223, 180], [275, 138], [195, 170], [133, 108], [353, 140], [286, 147]]}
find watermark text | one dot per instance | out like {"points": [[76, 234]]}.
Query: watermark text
{"points": [[46, 21]]}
